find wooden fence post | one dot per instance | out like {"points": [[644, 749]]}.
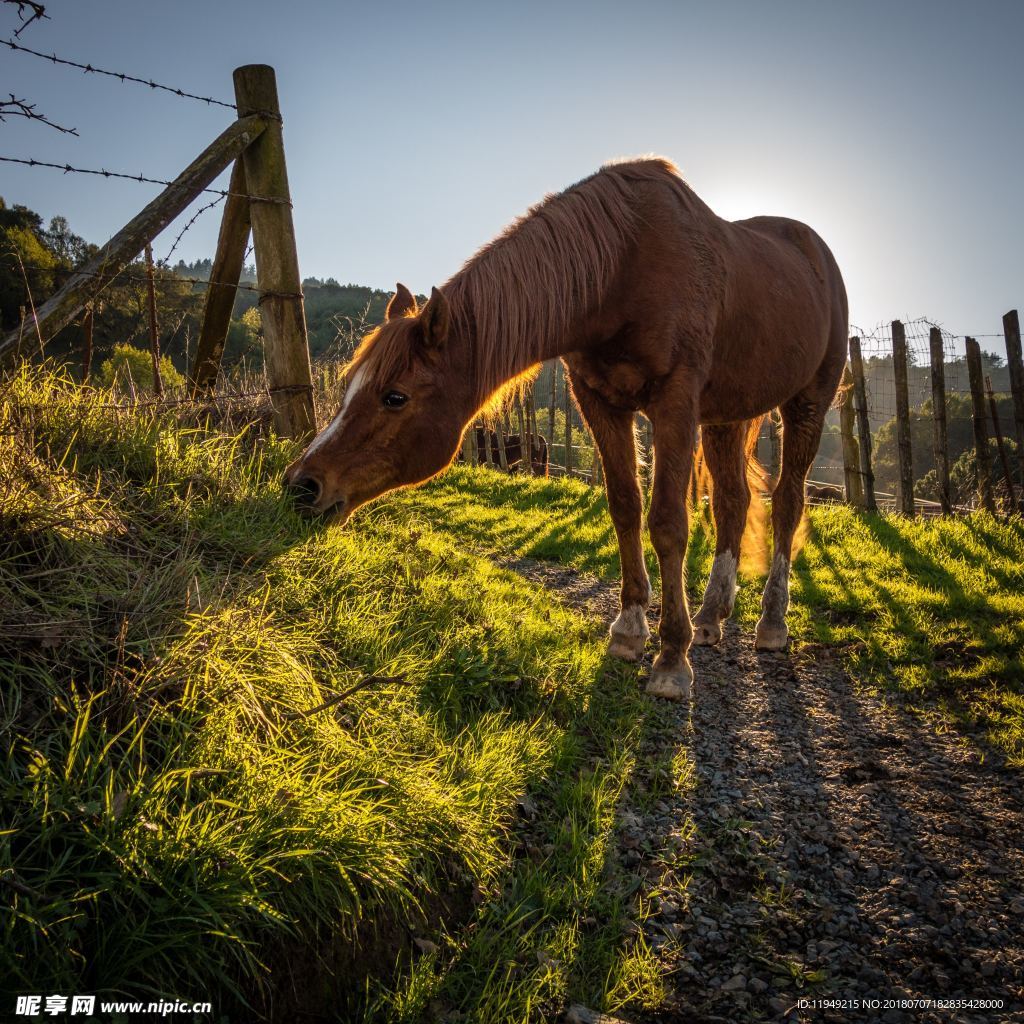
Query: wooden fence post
{"points": [[488, 451], [905, 480], [277, 264], [87, 326], [154, 332], [468, 444], [851, 457], [568, 428], [983, 462], [499, 432], [222, 287], [938, 357], [524, 441], [554, 402], [83, 284], [1011, 331], [1004, 461], [860, 408], [774, 444]]}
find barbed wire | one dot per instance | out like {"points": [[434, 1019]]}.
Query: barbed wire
{"points": [[192, 220], [104, 173], [120, 75]]}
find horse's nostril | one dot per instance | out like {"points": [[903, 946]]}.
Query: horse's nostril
{"points": [[305, 491]]}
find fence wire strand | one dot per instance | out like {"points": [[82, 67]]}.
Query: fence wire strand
{"points": [[119, 75]]}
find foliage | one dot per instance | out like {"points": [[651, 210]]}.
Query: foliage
{"points": [[959, 431], [131, 367], [963, 474]]}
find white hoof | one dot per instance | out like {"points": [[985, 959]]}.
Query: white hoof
{"points": [[629, 633], [629, 648], [707, 633], [771, 638], [672, 685]]}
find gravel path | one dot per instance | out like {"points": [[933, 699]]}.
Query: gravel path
{"points": [[836, 848]]}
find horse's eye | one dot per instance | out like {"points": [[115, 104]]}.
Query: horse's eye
{"points": [[394, 399]]}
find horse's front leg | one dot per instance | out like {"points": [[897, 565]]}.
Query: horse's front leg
{"points": [[612, 430], [675, 429]]}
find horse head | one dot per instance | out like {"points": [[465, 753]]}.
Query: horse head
{"points": [[407, 400]]}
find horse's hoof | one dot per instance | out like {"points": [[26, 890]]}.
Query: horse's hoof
{"points": [[629, 648], [672, 684], [771, 638], [708, 633]]}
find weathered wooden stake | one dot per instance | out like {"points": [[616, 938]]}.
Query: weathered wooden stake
{"points": [[87, 326], [983, 462], [905, 480], [554, 402], [1004, 461], [277, 263], [568, 428], [1011, 331], [851, 457], [63, 306], [860, 408], [524, 441], [938, 358], [499, 432], [488, 453], [154, 332], [775, 444], [468, 445], [222, 288]]}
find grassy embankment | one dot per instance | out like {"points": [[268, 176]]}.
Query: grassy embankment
{"points": [[169, 826]]}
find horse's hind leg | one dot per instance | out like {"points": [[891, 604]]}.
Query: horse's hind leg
{"points": [[724, 452], [612, 430], [803, 417]]}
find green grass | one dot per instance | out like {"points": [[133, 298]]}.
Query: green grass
{"points": [[169, 826], [932, 609], [172, 825]]}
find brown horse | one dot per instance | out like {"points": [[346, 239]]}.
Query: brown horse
{"points": [[653, 303]]}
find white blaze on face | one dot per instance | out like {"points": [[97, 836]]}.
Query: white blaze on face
{"points": [[337, 424]]}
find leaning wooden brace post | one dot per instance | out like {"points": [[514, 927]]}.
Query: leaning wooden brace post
{"points": [[1011, 331], [1003, 460], [223, 284], [83, 284], [851, 457], [905, 480], [277, 264], [938, 358], [983, 462], [860, 408]]}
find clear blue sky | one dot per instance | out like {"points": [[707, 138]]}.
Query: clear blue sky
{"points": [[416, 131]]}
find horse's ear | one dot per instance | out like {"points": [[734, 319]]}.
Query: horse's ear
{"points": [[401, 304], [435, 320]]}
